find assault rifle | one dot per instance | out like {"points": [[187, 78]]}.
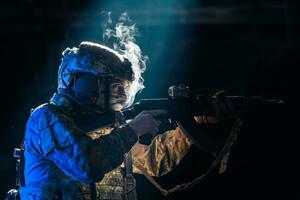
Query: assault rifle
{"points": [[180, 100], [181, 103]]}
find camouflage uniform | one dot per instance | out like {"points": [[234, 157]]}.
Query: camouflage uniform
{"points": [[65, 157]]}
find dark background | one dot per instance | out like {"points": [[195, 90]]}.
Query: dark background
{"points": [[246, 47]]}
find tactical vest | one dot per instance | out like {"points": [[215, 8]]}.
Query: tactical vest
{"points": [[118, 184]]}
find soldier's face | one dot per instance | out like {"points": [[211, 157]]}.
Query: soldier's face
{"points": [[118, 93]]}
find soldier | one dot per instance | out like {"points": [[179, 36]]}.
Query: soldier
{"points": [[72, 148]]}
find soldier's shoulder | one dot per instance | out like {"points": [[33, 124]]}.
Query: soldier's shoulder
{"points": [[45, 109], [39, 109], [43, 115]]}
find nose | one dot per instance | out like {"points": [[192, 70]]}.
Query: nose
{"points": [[121, 89]]}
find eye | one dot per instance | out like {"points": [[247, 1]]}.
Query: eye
{"points": [[120, 84], [116, 85]]}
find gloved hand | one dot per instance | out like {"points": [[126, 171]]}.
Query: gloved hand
{"points": [[146, 122]]}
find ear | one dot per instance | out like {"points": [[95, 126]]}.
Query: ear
{"points": [[85, 89]]}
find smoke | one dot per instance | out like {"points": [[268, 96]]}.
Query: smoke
{"points": [[123, 34]]}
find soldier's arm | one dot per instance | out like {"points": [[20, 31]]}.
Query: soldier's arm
{"points": [[80, 157], [165, 151], [162, 155]]}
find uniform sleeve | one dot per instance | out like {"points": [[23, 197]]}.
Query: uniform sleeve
{"points": [[107, 152], [80, 157], [162, 155]]}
